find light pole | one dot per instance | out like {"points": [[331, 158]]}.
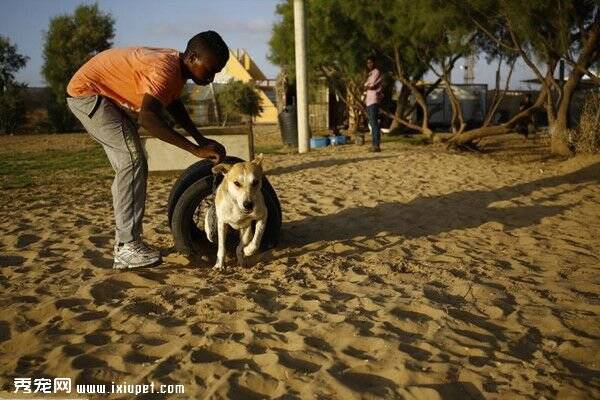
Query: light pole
{"points": [[301, 84]]}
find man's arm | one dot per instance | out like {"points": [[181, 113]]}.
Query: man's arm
{"points": [[151, 119], [181, 116], [374, 81]]}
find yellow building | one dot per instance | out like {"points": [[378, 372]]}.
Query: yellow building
{"points": [[241, 67]]}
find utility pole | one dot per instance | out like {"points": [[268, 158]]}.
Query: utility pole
{"points": [[469, 75], [301, 80]]}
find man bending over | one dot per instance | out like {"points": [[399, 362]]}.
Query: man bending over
{"points": [[121, 83]]}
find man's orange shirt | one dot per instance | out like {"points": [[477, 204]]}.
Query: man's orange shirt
{"points": [[125, 75]]}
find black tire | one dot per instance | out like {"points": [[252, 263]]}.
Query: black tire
{"points": [[200, 170], [188, 233], [192, 174]]}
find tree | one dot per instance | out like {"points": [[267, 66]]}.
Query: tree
{"points": [[338, 48], [10, 62], [72, 40], [12, 98], [444, 37], [12, 108], [417, 36], [394, 28], [494, 51], [241, 98], [549, 31], [343, 33]]}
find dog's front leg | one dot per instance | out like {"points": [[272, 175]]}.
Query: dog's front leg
{"points": [[222, 236], [245, 237], [258, 233]]}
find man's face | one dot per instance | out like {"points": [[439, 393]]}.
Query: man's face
{"points": [[370, 64], [203, 69]]}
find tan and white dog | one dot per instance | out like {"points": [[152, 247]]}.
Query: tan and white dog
{"points": [[238, 203]]}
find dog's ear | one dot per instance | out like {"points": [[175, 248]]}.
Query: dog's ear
{"points": [[221, 169], [258, 160]]}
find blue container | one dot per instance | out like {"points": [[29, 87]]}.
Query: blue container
{"points": [[335, 140], [317, 142]]}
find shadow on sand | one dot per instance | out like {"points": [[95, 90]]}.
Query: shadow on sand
{"points": [[433, 215], [332, 162]]}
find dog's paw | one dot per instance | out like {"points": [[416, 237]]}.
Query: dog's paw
{"points": [[249, 250], [219, 266], [242, 262]]}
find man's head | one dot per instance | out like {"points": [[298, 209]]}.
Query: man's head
{"points": [[371, 63], [205, 55]]}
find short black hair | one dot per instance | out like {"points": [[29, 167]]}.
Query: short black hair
{"points": [[372, 58], [211, 42]]}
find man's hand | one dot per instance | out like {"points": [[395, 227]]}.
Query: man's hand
{"points": [[210, 149], [150, 118], [207, 148]]}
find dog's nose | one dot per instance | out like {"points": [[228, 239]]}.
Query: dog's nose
{"points": [[248, 205]]}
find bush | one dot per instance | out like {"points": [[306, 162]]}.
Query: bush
{"points": [[239, 98], [587, 135], [70, 41], [12, 108]]}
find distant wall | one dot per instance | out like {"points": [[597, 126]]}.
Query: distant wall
{"points": [[163, 156]]}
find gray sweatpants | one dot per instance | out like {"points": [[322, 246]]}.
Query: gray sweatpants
{"points": [[117, 133]]}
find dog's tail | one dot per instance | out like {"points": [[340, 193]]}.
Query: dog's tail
{"points": [[210, 223]]}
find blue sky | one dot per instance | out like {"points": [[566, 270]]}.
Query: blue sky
{"points": [[170, 23]]}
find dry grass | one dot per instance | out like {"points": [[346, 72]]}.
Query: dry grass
{"points": [[25, 143], [587, 135]]}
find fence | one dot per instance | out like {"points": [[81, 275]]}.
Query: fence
{"points": [[473, 100]]}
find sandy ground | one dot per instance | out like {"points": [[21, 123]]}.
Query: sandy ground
{"points": [[412, 273]]}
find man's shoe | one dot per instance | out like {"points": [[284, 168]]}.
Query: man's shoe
{"points": [[135, 254], [375, 150]]}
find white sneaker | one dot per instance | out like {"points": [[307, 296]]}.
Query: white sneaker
{"points": [[135, 254]]}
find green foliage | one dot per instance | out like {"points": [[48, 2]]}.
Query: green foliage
{"points": [[413, 37], [405, 36], [240, 98], [546, 29], [72, 40], [337, 45], [281, 43], [12, 108], [12, 97], [10, 62]]}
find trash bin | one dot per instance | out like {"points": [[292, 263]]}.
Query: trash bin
{"points": [[288, 125], [335, 140], [317, 142]]}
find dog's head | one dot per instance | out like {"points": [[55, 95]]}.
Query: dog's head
{"points": [[243, 182]]}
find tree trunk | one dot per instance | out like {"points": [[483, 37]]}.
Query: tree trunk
{"points": [[251, 139], [355, 106], [353, 115], [560, 128], [499, 96], [400, 107], [215, 105], [468, 136], [559, 121], [458, 123], [419, 98]]}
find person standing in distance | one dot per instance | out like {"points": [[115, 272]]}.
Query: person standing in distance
{"points": [[373, 94]]}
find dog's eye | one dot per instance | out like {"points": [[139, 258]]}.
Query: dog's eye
{"points": [[236, 183], [254, 183]]}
